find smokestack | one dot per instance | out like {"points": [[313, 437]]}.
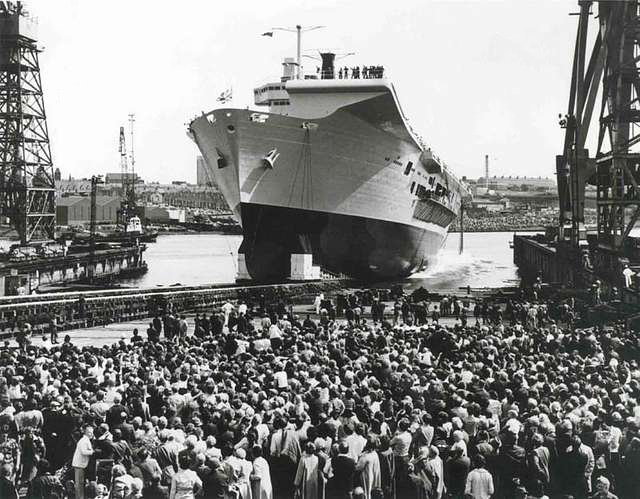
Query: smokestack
{"points": [[486, 170], [328, 60]]}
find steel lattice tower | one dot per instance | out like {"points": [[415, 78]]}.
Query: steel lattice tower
{"points": [[611, 70], [618, 161], [27, 185]]}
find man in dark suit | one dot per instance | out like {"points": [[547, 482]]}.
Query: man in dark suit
{"points": [[340, 484], [217, 484], [511, 464], [155, 490], [456, 471]]}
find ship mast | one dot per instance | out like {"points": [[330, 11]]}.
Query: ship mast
{"points": [[299, 51], [298, 30]]}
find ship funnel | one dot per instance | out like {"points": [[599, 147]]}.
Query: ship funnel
{"points": [[328, 59]]}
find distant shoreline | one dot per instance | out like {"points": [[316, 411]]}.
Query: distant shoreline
{"points": [[502, 229]]}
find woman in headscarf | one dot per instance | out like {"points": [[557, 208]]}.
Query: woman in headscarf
{"points": [[369, 468], [306, 481]]}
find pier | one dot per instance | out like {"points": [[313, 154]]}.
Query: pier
{"points": [[25, 277]]}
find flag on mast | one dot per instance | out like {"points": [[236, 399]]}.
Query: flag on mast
{"points": [[268, 33], [225, 96]]}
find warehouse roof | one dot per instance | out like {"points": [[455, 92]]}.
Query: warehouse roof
{"points": [[72, 200]]}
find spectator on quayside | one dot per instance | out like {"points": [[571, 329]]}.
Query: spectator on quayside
{"points": [[534, 398]]}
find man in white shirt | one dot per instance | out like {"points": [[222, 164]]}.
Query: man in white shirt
{"points": [[318, 302], [479, 482], [628, 274], [282, 380], [81, 457]]}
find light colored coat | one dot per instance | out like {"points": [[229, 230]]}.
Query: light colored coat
{"points": [[261, 470], [306, 480], [369, 468]]}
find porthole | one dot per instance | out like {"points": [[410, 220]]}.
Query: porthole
{"points": [[231, 128]]}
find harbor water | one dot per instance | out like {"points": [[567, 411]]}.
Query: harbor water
{"points": [[194, 259]]}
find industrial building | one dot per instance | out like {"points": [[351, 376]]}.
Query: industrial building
{"points": [[163, 215], [73, 210], [517, 183], [118, 177]]}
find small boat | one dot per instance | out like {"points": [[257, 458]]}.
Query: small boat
{"points": [[134, 232]]}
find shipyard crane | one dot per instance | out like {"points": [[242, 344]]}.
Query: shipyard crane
{"points": [[27, 185], [128, 204], [95, 180], [606, 68]]}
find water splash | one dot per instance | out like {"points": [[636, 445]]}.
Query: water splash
{"points": [[487, 261]]}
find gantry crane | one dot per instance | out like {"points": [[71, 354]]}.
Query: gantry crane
{"points": [[609, 70], [27, 185]]}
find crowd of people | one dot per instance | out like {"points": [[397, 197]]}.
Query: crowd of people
{"points": [[357, 72], [500, 222], [361, 401], [37, 316]]}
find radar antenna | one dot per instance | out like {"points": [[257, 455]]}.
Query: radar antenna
{"points": [[299, 30]]}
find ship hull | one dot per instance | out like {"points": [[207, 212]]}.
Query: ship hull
{"points": [[343, 187], [360, 247]]}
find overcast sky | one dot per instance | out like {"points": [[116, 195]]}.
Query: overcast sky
{"points": [[475, 77]]}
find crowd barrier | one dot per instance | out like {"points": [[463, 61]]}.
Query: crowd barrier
{"points": [[77, 310]]}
